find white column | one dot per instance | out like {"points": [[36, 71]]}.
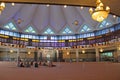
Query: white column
{"points": [[7, 56], [36, 55], [57, 51], [39, 55], [77, 55], [118, 55], [97, 55], [18, 57]]}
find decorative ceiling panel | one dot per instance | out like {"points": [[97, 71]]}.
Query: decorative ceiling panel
{"points": [[114, 4]]}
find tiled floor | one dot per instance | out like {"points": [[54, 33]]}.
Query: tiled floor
{"points": [[62, 71]]}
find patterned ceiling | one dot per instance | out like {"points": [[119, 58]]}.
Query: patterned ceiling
{"points": [[113, 4], [52, 19]]}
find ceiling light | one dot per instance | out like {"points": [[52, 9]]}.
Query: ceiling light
{"points": [[76, 22], [65, 6], [2, 6], [114, 16], [99, 14], [19, 20], [13, 4], [81, 7], [47, 5]]}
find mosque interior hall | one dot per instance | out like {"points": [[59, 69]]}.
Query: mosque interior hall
{"points": [[60, 39]]}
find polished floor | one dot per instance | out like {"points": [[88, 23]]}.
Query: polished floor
{"points": [[62, 71]]}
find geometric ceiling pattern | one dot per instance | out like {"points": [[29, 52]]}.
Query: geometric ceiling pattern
{"points": [[85, 28], [10, 26], [30, 30], [48, 31], [69, 20], [113, 4], [104, 23], [67, 30]]}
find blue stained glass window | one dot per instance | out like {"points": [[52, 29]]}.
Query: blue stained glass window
{"points": [[54, 38], [85, 28], [43, 37], [98, 33], [104, 24], [112, 29], [11, 33], [88, 35], [118, 19], [30, 30], [67, 31], [22, 36], [6, 32], [26, 36], [37, 37], [16, 34], [30, 36], [2, 32], [85, 35], [92, 34], [10, 26], [48, 31], [34, 37]]}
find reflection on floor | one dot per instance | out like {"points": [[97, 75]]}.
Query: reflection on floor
{"points": [[62, 71]]}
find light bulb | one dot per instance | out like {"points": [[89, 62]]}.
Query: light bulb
{"points": [[118, 48], [13, 4], [101, 50], [2, 4], [101, 4], [81, 7], [67, 53], [29, 52], [114, 16], [98, 1], [91, 10], [11, 51], [47, 5], [108, 8], [65, 6], [83, 51]]}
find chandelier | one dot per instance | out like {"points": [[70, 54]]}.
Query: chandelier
{"points": [[100, 13], [2, 6]]}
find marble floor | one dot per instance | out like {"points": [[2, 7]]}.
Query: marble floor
{"points": [[62, 71]]}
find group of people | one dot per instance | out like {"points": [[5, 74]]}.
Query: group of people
{"points": [[35, 64]]}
